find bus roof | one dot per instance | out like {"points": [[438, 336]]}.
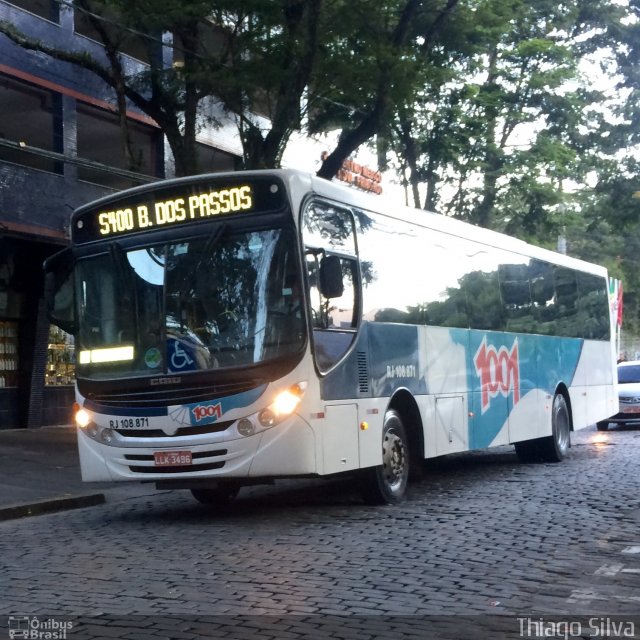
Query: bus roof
{"points": [[446, 224], [300, 183]]}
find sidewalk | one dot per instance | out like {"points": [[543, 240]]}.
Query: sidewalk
{"points": [[40, 473]]}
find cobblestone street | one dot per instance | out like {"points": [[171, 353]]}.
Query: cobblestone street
{"points": [[482, 537]]}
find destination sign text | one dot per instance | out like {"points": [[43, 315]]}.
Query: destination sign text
{"points": [[174, 211]]}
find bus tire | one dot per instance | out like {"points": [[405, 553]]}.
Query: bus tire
{"points": [[221, 495], [556, 446], [387, 483], [602, 426]]}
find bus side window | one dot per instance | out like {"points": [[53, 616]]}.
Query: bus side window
{"points": [[333, 307], [332, 277], [566, 298], [332, 292]]}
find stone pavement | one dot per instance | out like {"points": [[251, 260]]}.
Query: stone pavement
{"points": [[481, 542], [40, 473]]}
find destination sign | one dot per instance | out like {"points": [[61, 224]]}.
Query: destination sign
{"points": [[167, 212], [174, 203]]}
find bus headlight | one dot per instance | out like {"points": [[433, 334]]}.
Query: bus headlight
{"points": [[267, 418], [286, 402], [84, 421], [83, 418], [283, 405], [246, 427], [91, 430]]}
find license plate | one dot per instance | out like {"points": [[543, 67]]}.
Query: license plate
{"points": [[627, 409], [171, 458]]}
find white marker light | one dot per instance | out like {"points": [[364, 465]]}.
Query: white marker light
{"points": [[113, 354]]}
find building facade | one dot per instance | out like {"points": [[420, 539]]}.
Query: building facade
{"points": [[59, 148]]}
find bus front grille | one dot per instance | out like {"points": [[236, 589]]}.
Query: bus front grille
{"points": [[183, 469], [168, 396], [215, 427], [201, 462]]}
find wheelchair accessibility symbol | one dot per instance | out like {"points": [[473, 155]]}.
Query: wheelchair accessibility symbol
{"points": [[179, 358]]}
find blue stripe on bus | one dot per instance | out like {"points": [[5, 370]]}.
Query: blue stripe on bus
{"points": [[210, 411], [200, 413], [542, 362], [450, 361]]}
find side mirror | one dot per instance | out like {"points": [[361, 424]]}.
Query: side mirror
{"points": [[331, 285], [59, 290]]}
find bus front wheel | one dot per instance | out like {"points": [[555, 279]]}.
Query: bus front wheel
{"points": [[387, 483]]}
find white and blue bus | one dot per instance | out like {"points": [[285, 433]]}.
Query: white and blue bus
{"points": [[235, 328]]}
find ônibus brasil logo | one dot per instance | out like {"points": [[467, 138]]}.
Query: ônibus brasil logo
{"points": [[203, 411], [499, 372]]}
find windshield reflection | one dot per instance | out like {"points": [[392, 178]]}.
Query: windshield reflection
{"points": [[226, 300]]}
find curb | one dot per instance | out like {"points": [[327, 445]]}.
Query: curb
{"points": [[51, 506]]}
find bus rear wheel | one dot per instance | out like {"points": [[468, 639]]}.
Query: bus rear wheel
{"points": [[387, 483], [220, 495], [551, 448], [556, 446]]}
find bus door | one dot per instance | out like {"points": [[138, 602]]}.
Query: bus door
{"points": [[333, 295]]}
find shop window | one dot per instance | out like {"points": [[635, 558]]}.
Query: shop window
{"points": [[60, 358], [100, 140], [21, 103], [8, 353], [212, 40]]}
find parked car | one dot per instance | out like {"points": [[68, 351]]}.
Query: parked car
{"points": [[628, 396]]}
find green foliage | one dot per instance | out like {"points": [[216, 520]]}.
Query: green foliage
{"points": [[269, 64], [509, 132], [482, 104], [508, 111]]}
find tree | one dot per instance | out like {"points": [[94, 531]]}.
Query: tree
{"points": [[610, 229], [495, 140], [218, 51], [374, 69], [267, 63]]}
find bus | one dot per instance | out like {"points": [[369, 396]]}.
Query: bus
{"points": [[236, 328]]}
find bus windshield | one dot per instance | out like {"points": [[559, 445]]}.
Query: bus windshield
{"points": [[226, 299]]}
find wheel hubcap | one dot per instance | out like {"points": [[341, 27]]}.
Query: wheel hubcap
{"points": [[562, 428], [394, 460]]}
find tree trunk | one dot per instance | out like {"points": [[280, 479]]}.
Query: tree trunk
{"points": [[493, 159], [370, 124]]}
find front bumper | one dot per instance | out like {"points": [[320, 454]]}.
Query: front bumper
{"points": [[287, 449], [626, 416]]}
